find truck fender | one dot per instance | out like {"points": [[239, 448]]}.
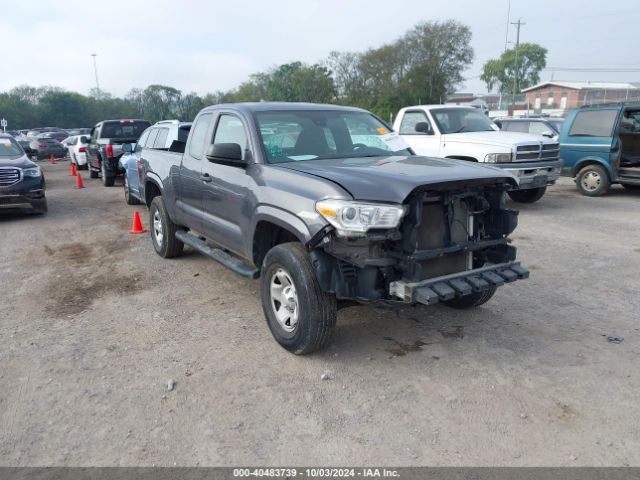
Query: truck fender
{"points": [[279, 217], [154, 179], [591, 160]]}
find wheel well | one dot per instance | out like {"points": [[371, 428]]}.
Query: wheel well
{"points": [[266, 236], [151, 190], [586, 163], [462, 157]]}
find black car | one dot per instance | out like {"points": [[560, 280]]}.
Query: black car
{"points": [[26, 146], [44, 147], [21, 181]]}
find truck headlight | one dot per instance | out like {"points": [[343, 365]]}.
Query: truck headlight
{"points": [[32, 172], [357, 218], [498, 158]]}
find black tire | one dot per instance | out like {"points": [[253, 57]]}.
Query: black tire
{"points": [[472, 300], [633, 188], [316, 309], [527, 196], [107, 180], [40, 206], [130, 199], [92, 173], [593, 181], [169, 246]]}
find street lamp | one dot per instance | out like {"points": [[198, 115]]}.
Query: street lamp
{"points": [[95, 70]]}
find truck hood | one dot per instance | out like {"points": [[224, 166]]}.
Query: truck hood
{"points": [[392, 179], [495, 138]]}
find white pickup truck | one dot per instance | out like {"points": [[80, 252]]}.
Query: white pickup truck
{"points": [[464, 133]]}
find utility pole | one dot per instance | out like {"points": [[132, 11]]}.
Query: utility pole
{"points": [[95, 70], [518, 24], [506, 40]]}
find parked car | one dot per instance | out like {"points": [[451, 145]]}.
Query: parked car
{"points": [[34, 132], [328, 206], [105, 146], [547, 127], [44, 147], [59, 136], [600, 146], [22, 183], [79, 131], [170, 135], [26, 146], [464, 133], [76, 146]]}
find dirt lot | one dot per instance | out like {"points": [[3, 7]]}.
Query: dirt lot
{"points": [[94, 324]]}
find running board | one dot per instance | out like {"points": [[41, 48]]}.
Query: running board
{"points": [[220, 256], [460, 284]]}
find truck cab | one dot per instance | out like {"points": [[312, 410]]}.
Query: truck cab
{"points": [[465, 133], [600, 146]]}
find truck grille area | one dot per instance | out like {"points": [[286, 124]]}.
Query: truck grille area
{"points": [[537, 152], [9, 176]]}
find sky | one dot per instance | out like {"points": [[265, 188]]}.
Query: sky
{"points": [[204, 46]]}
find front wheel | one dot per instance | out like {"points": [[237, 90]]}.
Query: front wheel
{"points": [[40, 206], [300, 315], [472, 300], [163, 231], [593, 181], [527, 196]]}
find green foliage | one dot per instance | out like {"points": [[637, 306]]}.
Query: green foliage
{"points": [[423, 66], [501, 72]]}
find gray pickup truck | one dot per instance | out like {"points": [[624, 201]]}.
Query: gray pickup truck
{"points": [[329, 207]]}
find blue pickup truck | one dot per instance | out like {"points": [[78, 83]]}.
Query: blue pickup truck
{"points": [[600, 146]]}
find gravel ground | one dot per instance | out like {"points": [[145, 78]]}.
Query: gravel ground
{"points": [[94, 325]]}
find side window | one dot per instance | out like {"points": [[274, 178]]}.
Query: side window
{"points": [[161, 139], [153, 134], [231, 130], [596, 123], [196, 144], [143, 138], [409, 121]]}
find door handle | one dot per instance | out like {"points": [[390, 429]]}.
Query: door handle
{"points": [[205, 177]]}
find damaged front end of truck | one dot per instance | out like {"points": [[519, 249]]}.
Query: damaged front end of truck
{"points": [[449, 242]]}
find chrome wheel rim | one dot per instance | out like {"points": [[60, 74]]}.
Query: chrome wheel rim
{"points": [[284, 300], [591, 181], [158, 232]]}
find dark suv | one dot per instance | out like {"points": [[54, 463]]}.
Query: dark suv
{"points": [[21, 180]]}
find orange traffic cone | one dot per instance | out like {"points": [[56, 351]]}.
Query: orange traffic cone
{"points": [[73, 172], [52, 160], [136, 227], [79, 182]]}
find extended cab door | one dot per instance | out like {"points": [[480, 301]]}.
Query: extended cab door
{"points": [[228, 188], [422, 141], [190, 180]]}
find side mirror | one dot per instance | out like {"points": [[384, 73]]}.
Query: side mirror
{"points": [[84, 139], [225, 152], [548, 133], [423, 127], [127, 148]]}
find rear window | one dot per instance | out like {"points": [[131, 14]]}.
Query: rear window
{"points": [[9, 148], [596, 123], [123, 130]]}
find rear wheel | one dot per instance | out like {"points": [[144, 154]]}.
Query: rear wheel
{"points": [[163, 230], [300, 315], [593, 181], [527, 196], [107, 180], [128, 197], [472, 300], [92, 173]]}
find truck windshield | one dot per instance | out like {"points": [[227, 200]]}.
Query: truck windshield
{"points": [[457, 120], [123, 129], [303, 135], [9, 148]]}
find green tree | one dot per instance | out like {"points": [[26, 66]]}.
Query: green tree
{"points": [[160, 102], [522, 70]]}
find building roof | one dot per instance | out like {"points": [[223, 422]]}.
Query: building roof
{"points": [[585, 85]]}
